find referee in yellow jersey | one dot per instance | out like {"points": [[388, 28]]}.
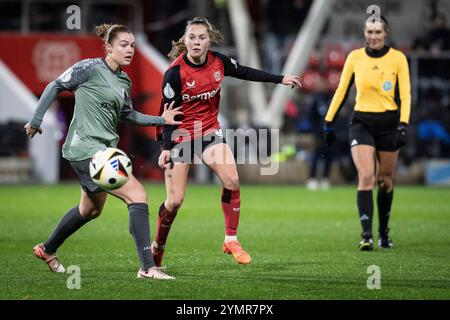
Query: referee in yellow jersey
{"points": [[379, 123]]}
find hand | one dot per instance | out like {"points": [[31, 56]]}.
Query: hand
{"points": [[164, 160], [328, 134], [170, 113], [292, 80], [30, 131], [400, 137]]}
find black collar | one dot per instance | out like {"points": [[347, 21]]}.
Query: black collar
{"points": [[115, 72], [193, 65], [377, 53]]}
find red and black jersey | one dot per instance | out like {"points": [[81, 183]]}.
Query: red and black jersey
{"points": [[197, 89]]}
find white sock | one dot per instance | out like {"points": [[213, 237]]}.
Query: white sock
{"points": [[230, 238]]}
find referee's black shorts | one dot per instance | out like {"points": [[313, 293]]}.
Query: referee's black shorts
{"points": [[377, 129]]}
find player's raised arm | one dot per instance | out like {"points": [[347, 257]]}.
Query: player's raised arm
{"points": [[234, 69], [47, 97]]}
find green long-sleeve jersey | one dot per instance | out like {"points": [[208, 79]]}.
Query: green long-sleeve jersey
{"points": [[102, 99]]}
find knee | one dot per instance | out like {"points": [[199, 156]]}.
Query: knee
{"points": [[231, 182], [366, 179], [90, 213], [385, 182], [137, 196], [174, 202]]}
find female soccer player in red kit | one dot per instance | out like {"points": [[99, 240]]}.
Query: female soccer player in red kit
{"points": [[193, 81]]}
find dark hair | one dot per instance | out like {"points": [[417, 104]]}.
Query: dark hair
{"points": [[383, 20], [108, 31], [178, 47]]}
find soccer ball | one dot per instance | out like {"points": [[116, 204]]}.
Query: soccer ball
{"points": [[110, 168]]}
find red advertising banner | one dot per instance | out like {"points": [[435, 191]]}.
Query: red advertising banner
{"points": [[38, 59]]}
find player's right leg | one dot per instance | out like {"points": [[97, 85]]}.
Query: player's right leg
{"points": [[176, 179], [364, 160], [134, 195]]}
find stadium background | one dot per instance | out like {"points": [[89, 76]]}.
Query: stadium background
{"points": [[36, 46]]}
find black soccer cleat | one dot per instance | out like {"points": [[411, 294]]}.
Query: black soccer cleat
{"points": [[366, 243], [384, 242]]}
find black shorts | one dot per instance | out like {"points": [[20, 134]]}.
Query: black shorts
{"points": [[82, 170], [377, 129], [184, 152]]}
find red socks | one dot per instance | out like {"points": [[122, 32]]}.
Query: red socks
{"points": [[231, 204], [165, 220]]}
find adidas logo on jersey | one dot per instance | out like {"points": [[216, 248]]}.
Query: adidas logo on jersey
{"points": [[354, 142], [375, 67]]}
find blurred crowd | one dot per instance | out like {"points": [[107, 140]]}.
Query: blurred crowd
{"points": [[429, 59]]}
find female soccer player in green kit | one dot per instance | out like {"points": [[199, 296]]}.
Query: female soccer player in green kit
{"points": [[102, 99]]}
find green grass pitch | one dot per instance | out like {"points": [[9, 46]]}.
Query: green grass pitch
{"points": [[303, 244]]}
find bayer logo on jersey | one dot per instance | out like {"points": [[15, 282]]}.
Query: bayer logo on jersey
{"points": [[110, 168]]}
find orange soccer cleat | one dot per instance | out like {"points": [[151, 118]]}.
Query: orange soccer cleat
{"points": [[239, 254], [50, 259]]}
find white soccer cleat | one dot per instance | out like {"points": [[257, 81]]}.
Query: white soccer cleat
{"points": [[50, 259], [312, 184], [154, 273], [325, 184]]}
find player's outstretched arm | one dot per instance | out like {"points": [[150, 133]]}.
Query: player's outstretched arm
{"points": [[47, 97], [170, 113], [292, 80], [166, 118], [30, 131]]}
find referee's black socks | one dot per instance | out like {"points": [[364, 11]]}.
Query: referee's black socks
{"points": [[365, 208], [384, 202]]}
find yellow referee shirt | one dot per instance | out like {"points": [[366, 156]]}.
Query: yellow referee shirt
{"points": [[381, 79]]}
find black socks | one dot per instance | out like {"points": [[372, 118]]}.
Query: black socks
{"points": [[70, 222], [384, 202], [140, 230], [365, 208]]}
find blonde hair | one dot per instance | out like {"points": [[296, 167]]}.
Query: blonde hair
{"points": [[178, 47], [108, 31]]}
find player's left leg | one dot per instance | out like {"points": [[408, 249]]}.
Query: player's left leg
{"points": [[220, 160], [134, 195], [387, 162]]}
